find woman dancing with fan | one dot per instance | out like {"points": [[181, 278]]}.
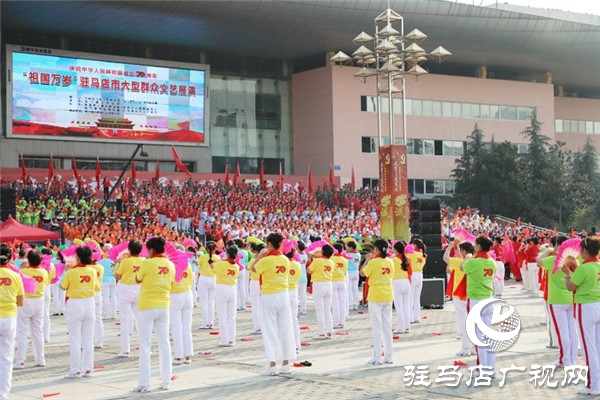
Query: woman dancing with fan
{"points": [[480, 271], [583, 280], [417, 261], [560, 304]]}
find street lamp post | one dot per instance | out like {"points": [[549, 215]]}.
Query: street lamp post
{"points": [[393, 57]]}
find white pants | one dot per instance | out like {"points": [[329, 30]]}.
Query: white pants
{"points": [[226, 298], [98, 324], [8, 331], [532, 272], [380, 315], [242, 289], [460, 306], [58, 298], [80, 316], [322, 292], [353, 296], [30, 319], [206, 292], [180, 315], [525, 276], [128, 308], [552, 336], [46, 320], [402, 303], [302, 289], [484, 357], [157, 318], [566, 332], [588, 320], [276, 322], [339, 302], [294, 307], [416, 288], [109, 300], [254, 292]]}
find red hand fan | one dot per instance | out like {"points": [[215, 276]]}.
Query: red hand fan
{"points": [[567, 254]]}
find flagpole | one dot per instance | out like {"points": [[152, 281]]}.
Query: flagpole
{"points": [[112, 190]]}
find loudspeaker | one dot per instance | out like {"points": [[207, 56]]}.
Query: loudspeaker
{"points": [[428, 228], [433, 293], [430, 204], [432, 240], [431, 215], [435, 267], [7, 203]]}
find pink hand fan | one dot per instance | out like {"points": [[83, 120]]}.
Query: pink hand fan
{"points": [[567, 254]]}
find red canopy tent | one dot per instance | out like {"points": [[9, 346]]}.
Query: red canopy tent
{"points": [[11, 230]]}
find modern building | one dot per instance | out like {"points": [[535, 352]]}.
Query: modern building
{"points": [[272, 95]]}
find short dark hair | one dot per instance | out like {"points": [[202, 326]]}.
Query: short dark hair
{"points": [[484, 242], [351, 244], [382, 245], [275, 239], [591, 244], [339, 247], [157, 244], [232, 252], [301, 245], [135, 247], [34, 258], [84, 254], [5, 254], [327, 251], [467, 246]]}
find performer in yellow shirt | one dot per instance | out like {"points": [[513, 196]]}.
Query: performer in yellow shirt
{"points": [[254, 288], [31, 315], [128, 292], [80, 284], [156, 276], [180, 317], [380, 270], [276, 313], [321, 275], [227, 272], [417, 263], [294, 277], [207, 284], [401, 284], [11, 297], [339, 297]]}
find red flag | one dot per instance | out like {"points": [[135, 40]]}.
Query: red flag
{"points": [[157, 172], [450, 285], [310, 182], [133, 171], [280, 176], [261, 174], [178, 162], [23, 170], [75, 171], [98, 171], [227, 174], [331, 175], [352, 180], [236, 175], [50, 170]]}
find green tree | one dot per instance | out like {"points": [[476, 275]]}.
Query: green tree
{"points": [[504, 177], [469, 173], [584, 187]]}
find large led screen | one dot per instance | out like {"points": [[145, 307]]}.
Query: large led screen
{"points": [[58, 96]]}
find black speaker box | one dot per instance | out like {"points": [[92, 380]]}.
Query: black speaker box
{"points": [[435, 267], [7, 203], [432, 240], [430, 204], [433, 293]]}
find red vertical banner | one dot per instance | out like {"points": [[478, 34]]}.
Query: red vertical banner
{"points": [[400, 191], [310, 182], [179, 163], [157, 171], [280, 176], [23, 170], [236, 175], [50, 170], [261, 174], [353, 180], [331, 181], [98, 171], [386, 187], [75, 171], [133, 171], [226, 173]]}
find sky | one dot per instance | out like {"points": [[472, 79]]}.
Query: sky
{"points": [[580, 6]]}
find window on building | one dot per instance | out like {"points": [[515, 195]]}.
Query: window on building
{"points": [[370, 183], [369, 144], [419, 186], [41, 162], [446, 109], [428, 147], [268, 111], [438, 148], [429, 186], [450, 186], [558, 125]]}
